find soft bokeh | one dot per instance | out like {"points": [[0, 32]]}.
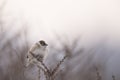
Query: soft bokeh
{"points": [[86, 30]]}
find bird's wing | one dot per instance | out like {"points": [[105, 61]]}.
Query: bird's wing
{"points": [[32, 49]]}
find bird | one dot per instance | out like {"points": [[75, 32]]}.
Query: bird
{"points": [[37, 53]]}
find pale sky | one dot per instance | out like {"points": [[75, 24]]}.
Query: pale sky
{"points": [[92, 19]]}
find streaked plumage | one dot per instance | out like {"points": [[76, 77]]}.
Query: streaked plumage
{"points": [[37, 53]]}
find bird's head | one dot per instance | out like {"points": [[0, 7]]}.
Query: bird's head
{"points": [[43, 43]]}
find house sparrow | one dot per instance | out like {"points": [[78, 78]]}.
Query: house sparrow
{"points": [[37, 53]]}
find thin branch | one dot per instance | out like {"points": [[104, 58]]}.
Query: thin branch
{"points": [[58, 65]]}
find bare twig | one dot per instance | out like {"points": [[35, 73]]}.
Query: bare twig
{"points": [[98, 74], [50, 74], [113, 77], [54, 72], [39, 73], [40, 68]]}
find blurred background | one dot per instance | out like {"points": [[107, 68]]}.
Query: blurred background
{"points": [[85, 30]]}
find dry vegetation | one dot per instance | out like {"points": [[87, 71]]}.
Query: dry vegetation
{"points": [[76, 63]]}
